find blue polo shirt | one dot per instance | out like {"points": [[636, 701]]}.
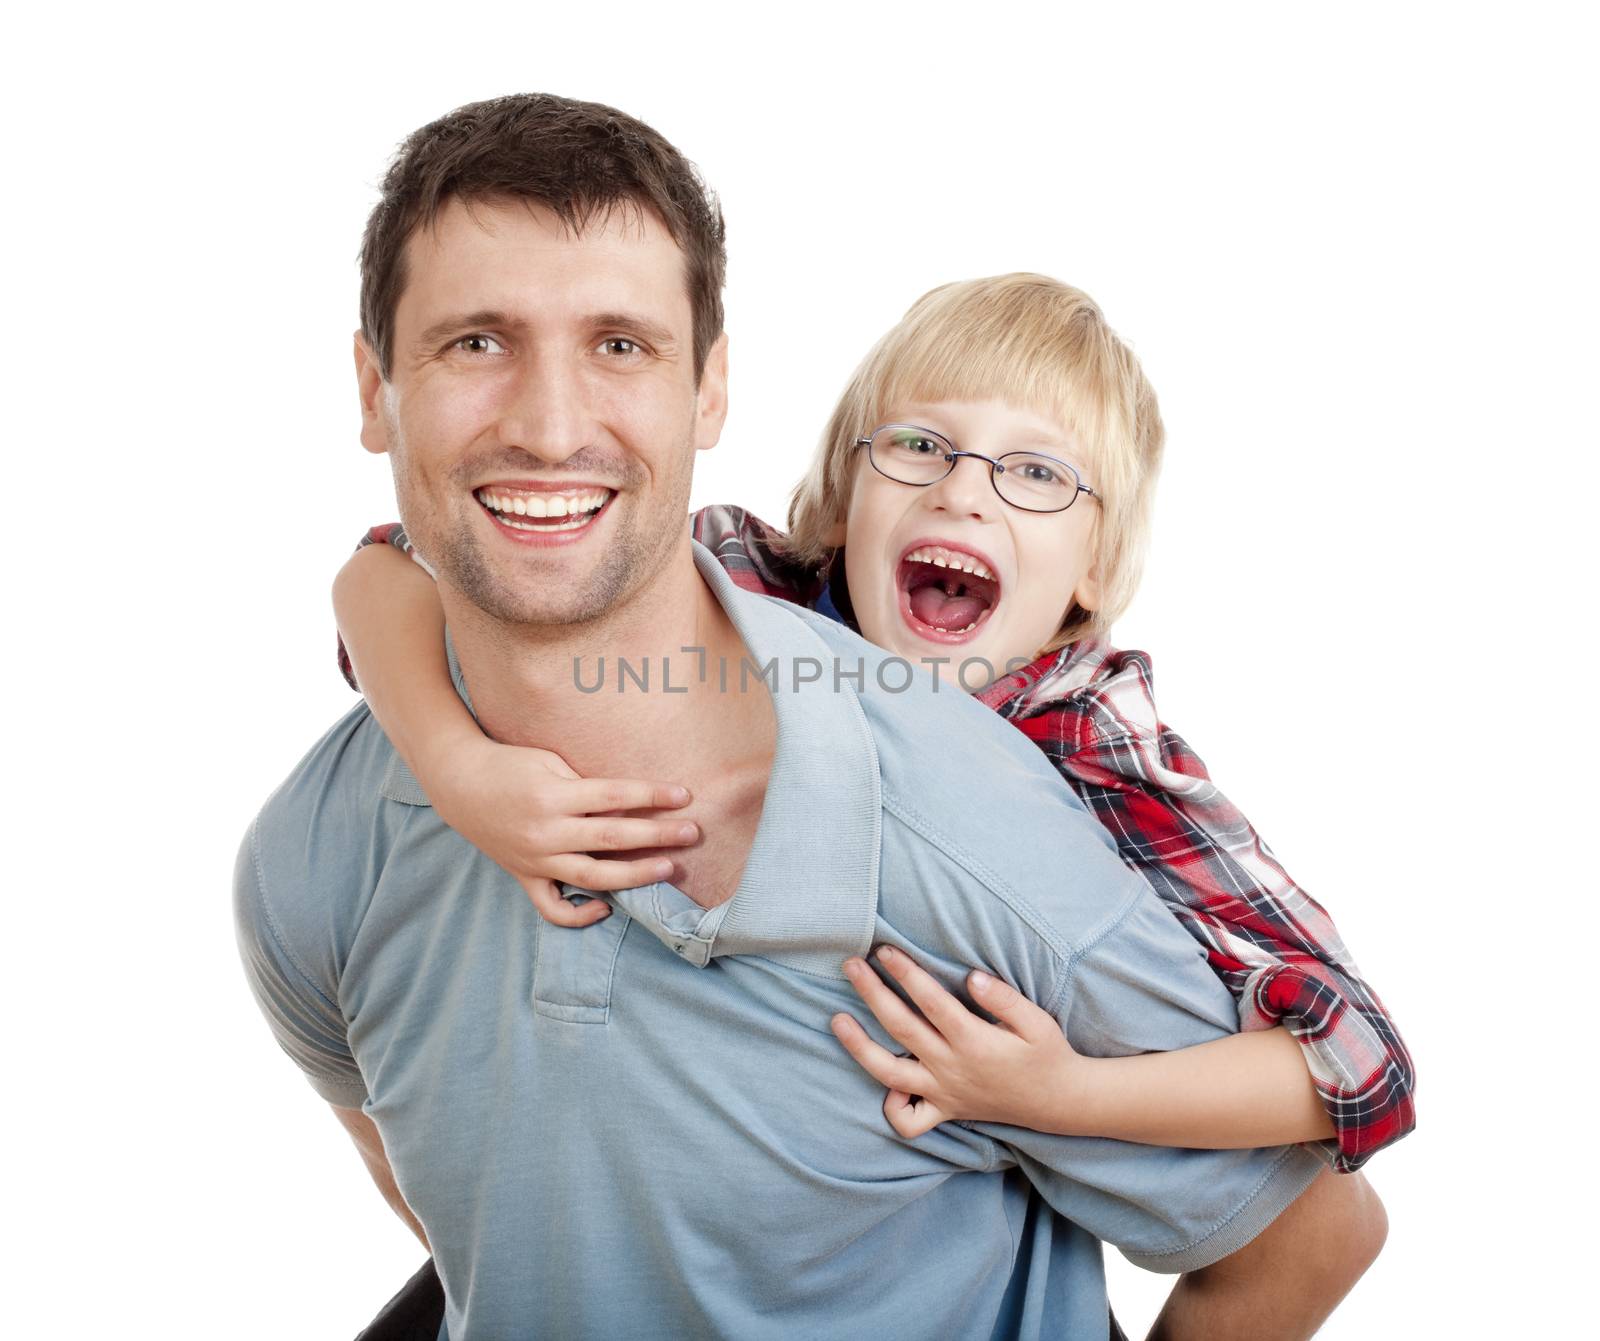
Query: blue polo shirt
{"points": [[646, 1129]]}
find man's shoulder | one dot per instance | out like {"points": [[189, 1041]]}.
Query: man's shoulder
{"points": [[313, 852], [929, 730], [958, 780]]}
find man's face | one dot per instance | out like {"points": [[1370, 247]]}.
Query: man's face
{"points": [[541, 414]]}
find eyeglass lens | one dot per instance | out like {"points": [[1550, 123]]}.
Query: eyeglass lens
{"points": [[1027, 480]]}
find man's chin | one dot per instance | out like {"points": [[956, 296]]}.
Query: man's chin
{"points": [[521, 609], [517, 594]]}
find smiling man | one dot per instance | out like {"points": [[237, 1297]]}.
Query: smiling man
{"points": [[645, 1127]]}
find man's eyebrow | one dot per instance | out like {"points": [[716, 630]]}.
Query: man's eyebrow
{"points": [[467, 322], [653, 331], [489, 319]]}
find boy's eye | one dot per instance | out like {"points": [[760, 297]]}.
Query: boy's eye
{"points": [[479, 344], [1036, 481], [1036, 472]]}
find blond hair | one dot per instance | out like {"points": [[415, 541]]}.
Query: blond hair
{"points": [[1037, 344]]}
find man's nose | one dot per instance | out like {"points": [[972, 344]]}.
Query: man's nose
{"points": [[966, 491], [545, 410]]}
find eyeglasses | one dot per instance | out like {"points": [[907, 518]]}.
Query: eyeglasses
{"points": [[919, 457]]}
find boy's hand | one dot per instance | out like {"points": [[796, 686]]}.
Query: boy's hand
{"points": [[532, 814], [1022, 1072]]}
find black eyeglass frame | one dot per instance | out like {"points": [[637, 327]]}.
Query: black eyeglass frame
{"points": [[996, 467]]}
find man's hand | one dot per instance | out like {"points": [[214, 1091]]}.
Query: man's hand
{"points": [[1283, 1284]]}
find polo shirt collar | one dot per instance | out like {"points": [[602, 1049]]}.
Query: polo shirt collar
{"points": [[808, 897]]}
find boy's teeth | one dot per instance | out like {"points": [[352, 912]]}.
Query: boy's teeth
{"points": [[945, 558]]}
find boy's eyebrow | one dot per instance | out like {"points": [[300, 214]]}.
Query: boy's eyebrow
{"points": [[1047, 446]]}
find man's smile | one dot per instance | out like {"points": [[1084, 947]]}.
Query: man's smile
{"points": [[525, 512]]}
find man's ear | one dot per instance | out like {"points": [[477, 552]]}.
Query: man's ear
{"points": [[369, 382], [711, 400]]}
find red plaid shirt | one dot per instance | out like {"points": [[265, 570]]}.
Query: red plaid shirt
{"points": [[1091, 709]]}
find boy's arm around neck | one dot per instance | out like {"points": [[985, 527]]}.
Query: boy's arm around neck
{"points": [[392, 625]]}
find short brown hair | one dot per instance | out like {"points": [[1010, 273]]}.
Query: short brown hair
{"points": [[580, 160]]}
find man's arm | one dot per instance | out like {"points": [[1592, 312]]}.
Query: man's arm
{"points": [[364, 1132], [1286, 1281], [289, 956]]}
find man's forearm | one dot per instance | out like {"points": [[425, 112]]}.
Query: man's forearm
{"points": [[391, 1193], [1283, 1285], [364, 1132]]}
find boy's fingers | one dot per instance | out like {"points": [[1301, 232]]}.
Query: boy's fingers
{"points": [[910, 1119], [1009, 1006], [615, 834], [905, 1026], [944, 1011], [609, 876], [594, 796], [549, 904], [555, 763], [898, 1073]]}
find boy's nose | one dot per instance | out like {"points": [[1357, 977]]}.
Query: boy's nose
{"points": [[545, 412], [966, 491]]}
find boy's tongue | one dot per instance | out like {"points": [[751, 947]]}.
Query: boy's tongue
{"points": [[949, 613]]}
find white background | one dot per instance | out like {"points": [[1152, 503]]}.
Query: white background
{"points": [[1354, 248]]}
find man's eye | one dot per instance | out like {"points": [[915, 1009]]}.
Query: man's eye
{"points": [[619, 346], [479, 344]]}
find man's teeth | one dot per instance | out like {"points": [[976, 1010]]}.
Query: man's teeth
{"points": [[545, 528], [576, 506], [946, 558]]}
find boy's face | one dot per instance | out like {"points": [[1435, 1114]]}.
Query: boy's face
{"points": [[1028, 567]]}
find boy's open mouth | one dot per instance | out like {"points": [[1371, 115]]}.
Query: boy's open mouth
{"points": [[946, 593]]}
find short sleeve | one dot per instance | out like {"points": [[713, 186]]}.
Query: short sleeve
{"points": [[303, 1015], [1145, 986]]}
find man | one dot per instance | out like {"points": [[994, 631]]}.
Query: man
{"points": [[644, 1127]]}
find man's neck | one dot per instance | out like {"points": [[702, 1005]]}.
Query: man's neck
{"points": [[576, 689]]}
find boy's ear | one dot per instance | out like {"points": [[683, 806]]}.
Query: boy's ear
{"points": [[1087, 592], [369, 384]]}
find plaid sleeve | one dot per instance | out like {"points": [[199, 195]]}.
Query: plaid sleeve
{"points": [[390, 533], [751, 552], [1274, 946]]}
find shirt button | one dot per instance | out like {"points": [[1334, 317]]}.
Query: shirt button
{"points": [[678, 948]]}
